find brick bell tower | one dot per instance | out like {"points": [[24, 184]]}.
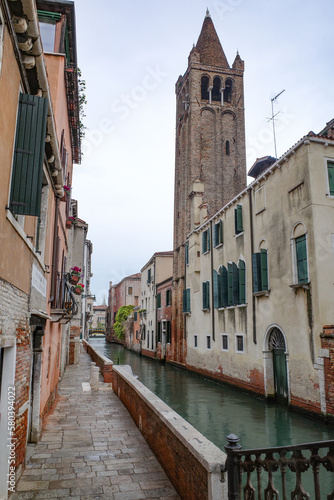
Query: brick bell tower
{"points": [[210, 147]]}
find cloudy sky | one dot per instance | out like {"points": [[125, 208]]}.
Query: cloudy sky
{"points": [[130, 54]]}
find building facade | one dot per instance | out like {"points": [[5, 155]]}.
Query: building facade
{"points": [[210, 147], [39, 142], [164, 318], [125, 293], [156, 271], [258, 284]]}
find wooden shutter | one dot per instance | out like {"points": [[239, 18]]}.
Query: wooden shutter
{"points": [[301, 259], [186, 300], [238, 219], [27, 174], [216, 235], [235, 284], [158, 300], [330, 166], [229, 284], [264, 269], [256, 267], [204, 242], [242, 282], [208, 238], [186, 253], [221, 240], [216, 292], [204, 295], [223, 286]]}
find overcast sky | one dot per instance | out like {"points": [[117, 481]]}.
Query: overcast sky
{"points": [[130, 54]]}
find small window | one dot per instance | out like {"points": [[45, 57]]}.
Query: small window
{"points": [[168, 332], [149, 276], [208, 342], [148, 339], [130, 290], [301, 257], [186, 300], [206, 241], [206, 295], [260, 271], [159, 332], [238, 219], [224, 342], [330, 170], [186, 253], [205, 88], [242, 282], [195, 341], [216, 89], [158, 300], [227, 148], [239, 343], [168, 297], [218, 234], [228, 90]]}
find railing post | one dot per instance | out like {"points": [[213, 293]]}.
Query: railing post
{"points": [[232, 467]]}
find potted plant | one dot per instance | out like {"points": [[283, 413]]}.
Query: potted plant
{"points": [[75, 275], [79, 288], [69, 221]]}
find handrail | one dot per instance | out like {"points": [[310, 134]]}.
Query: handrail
{"points": [[240, 462]]}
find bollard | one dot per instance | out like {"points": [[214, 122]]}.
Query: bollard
{"points": [[232, 467], [94, 376]]}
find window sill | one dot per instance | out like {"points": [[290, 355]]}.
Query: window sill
{"points": [[261, 293], [219, 246], [239, 234], [260, 211], [306, 286], [241, 305], [206, 253], [206, 310]]}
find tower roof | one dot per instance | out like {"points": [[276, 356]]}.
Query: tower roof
{"points": [[208, 45]]}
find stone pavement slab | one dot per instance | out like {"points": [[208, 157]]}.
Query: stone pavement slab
{"points": [[90, 449]]}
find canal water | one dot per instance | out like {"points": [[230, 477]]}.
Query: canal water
{"points": [[217, 411]]}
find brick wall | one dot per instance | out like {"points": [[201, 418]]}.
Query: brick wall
{"points": [[327, 342], [14, 322], [190, 460]]}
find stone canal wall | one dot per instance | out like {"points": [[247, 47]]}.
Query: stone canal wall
{"points": [[192, 463], [104, 363]]}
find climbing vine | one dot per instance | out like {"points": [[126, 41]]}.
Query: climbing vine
{"points": [[121, 317]]}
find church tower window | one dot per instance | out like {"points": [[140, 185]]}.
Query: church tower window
{"points": [[228, 90], [216, 90], [205, 88]]}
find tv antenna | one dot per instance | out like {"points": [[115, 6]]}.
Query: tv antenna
{"points": [[273, 117]]}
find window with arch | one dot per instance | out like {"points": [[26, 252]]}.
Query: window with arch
{"points": [[228, 90], [205, 88], [216, 89], [299, 249]]}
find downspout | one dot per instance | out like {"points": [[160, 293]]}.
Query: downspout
{"points": [[252, 251], [54, 251], [212, 286]]}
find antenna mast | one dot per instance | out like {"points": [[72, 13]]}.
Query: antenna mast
{"points": [[273, 118]]}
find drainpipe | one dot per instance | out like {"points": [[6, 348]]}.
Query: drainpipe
{"points": [[252, 251], [212, 287], [54, 251]]}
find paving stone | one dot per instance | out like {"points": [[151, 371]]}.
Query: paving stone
{"points": [[91, 448]]}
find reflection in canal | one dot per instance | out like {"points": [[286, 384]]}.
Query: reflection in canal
{"points": [[217, 411]]}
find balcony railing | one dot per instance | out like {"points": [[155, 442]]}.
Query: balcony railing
{"points": [[63, 303], [266, 467]]}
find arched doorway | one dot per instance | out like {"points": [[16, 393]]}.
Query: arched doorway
{"points": [[277, 346]]}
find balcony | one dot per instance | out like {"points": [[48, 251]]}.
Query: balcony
{"points": [[63, 303]]}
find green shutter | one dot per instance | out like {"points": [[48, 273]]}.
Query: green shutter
{"points": [[301, 259], [186, 300], [215, 289], [135, 316], [235, 284], [216, 235], [186, 252], [158, 300], [223, 286], [208, 238], [204, 242], [330, 167], [238, 219], [27, 174], [242, 282], [221, 231], [264, 269], [256, 266], [229, 284], [204, 295]]}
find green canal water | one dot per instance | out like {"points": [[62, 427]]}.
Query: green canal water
{"points": [[217, 411]]}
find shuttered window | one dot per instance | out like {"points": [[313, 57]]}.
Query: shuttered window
{"points": [[264, 269], [301, 255], [206, 294], [330, 167], [260, 271], [238, 219], [186, 300], [223, 296], [27, 173], [235, 284], [168, 332], [216, 289], [206, 241], [186, 253], [242, 282], [229, 284], [218, 234], [158, 300], [159, 332]]}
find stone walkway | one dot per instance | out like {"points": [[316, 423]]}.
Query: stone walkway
{"points": [[91, 448]]}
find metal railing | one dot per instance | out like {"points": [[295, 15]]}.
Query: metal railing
{"points": [[274, 464], [64, 297]]}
